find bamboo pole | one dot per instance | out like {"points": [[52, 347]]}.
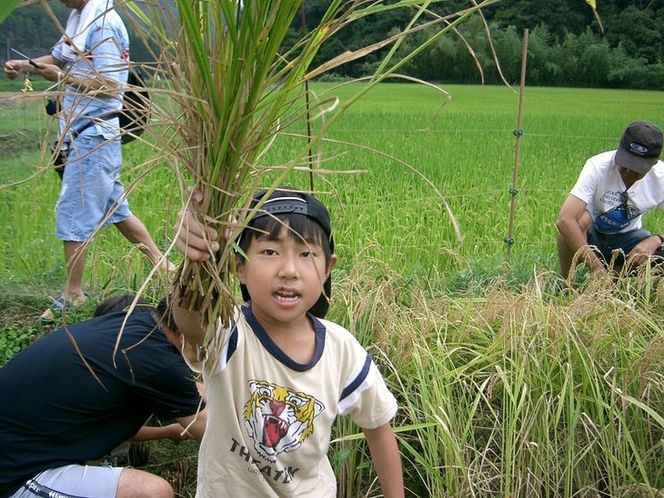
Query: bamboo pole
{"points": [[518, 133], [308, 106]]}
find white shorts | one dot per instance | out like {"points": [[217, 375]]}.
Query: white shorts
{"points": [[73, 481]]}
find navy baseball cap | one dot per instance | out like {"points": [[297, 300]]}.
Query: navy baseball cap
{"points": [[291, 201], [640, 146]]}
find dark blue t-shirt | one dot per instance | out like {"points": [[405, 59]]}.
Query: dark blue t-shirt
{"points": [[68, 398]]}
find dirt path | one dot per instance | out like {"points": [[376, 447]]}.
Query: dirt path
{"points": [[14, 98]]}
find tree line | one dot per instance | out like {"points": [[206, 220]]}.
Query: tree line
{"points": [[568, 45], [621, 47]]}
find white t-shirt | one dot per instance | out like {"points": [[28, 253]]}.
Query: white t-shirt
{"points": [[613, 207], [270, 418]]}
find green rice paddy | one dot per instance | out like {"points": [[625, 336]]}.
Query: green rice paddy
{"points": [[505, 389], [404, 151]]}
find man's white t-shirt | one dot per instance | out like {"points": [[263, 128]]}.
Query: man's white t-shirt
{"points": [[613, 207]]}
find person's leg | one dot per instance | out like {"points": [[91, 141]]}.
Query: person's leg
{"points": [[135, 232], [139, 484], [131, 227], [75, 264], [73, 481], [101, 482], [81, 206]]}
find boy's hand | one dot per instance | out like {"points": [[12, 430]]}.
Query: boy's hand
{"points": [[193, 239]]}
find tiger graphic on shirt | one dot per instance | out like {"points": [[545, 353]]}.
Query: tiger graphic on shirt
{"points": [[278, 419]]}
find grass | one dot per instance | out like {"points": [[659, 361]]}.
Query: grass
{"points": [[505, 389]]}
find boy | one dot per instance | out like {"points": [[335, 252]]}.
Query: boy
{"points": [[277, 378]]}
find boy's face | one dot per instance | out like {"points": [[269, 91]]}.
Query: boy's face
{"points": [[284, 277]]}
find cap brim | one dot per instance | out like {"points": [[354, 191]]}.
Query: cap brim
{"points": [[639, 164], [320, 307]]}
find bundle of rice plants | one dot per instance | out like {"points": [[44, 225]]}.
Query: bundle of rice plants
{"points": [[232, 88]]}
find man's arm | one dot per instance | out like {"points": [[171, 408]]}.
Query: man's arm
{"points": [[573, 223], [49, 68], [14, 67], [195, 424], [190, 427], [98, 83], [174, 432], [386, 460]]}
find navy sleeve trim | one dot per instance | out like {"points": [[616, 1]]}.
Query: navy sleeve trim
{"points": [[232, 343], [357, 381]]}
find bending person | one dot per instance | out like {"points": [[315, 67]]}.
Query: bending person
{"points": [[601, 219], [72, 397]]}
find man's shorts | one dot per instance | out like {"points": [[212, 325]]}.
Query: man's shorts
{"points": [[73, 481], [623, 243], [91, 192]]}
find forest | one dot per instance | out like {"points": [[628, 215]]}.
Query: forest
{"points": [[620, 47]]}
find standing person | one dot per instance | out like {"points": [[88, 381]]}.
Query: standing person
{"points": [[90, 64], [71, 397], [605, 208], [280, 374]]}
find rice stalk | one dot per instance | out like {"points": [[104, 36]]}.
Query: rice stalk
{"points": [[515, 394]]}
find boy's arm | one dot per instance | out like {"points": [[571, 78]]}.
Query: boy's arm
{"points": [[386, 460], [189, 323], [196, 242]]}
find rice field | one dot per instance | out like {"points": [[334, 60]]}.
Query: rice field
{"points": [[403, 152], [505, 389]]}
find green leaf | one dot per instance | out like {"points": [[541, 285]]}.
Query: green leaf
{"points": [[7, 7]]}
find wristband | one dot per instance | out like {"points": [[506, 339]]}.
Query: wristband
{"points": [[661, 239]]}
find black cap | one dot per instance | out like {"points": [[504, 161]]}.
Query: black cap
{"points": [[640, 146], [283, 201]]}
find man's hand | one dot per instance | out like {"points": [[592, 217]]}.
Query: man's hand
{"points": [[640, 253], [175, 432], [14, 67], [593, 262], [193, 239]]}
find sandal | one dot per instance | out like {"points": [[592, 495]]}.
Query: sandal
{"points": [[58, 306]]}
